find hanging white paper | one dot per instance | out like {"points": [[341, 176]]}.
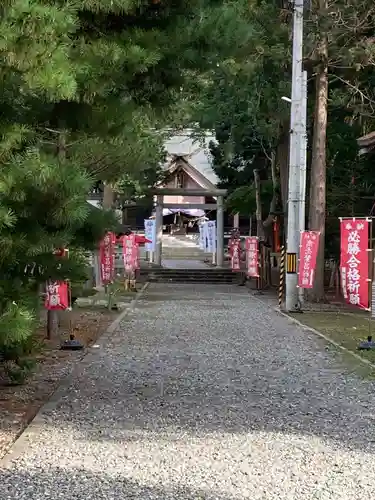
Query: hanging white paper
{"points": [[202, 243], [150, 234], [211, 236]]}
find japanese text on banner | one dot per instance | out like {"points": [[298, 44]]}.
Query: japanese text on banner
{"points": [[107, 258], [57, 296], [235, 253], [150, 234], [211, 236], [130, 253], [309, 246], [354, 264], [202, 235], [252, 256]]}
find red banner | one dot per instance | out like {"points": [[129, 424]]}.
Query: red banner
{"points": [[252, 256], [130, 253], [235, 254], [309, 246], [57, 296], [354, 261], [107, 257], [61, 252]]}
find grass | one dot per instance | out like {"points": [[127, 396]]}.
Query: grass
{"points": [[344, 328]]}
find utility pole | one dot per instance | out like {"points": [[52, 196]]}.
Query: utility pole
{"points": [[296, 132], [303, 159]]}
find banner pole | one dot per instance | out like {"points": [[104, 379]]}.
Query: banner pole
{"points": [[371, 277], [369, 336], [369, 344]]}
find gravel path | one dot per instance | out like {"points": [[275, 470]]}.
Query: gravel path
{"points": [[203, 393]]}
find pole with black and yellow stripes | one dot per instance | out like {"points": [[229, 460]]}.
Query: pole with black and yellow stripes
{"points": [[282, 275]]}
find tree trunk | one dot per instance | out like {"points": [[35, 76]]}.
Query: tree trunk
{"points": [[108, 197], [268, 223], [53, 317], [271, 215], [258, 201], [317, 206]]}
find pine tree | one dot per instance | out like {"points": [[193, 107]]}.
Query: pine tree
{"points": [[243, 103], [86, 87], [340, 36]]}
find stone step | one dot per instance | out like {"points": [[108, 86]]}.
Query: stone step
{"points": [[212, 271], [206, 275], [184, 253], [192, 279], [186, 257], [201, 270]]}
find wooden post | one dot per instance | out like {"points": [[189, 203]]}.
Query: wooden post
{"points": [[259, 218], [159, 229], [220, 232]]}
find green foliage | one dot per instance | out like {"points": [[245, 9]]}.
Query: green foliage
{"points": [[86, 88], [241, 101], [43, 207], [16, 322], [242, 200], [17, 344]]}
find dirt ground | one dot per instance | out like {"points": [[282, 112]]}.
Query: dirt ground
{"points": [[19, 404]]}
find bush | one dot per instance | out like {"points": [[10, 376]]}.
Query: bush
{"points": [[17, 343], [17, 324], [17, 373]]}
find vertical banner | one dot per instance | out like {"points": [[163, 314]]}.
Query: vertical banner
{"points": [[202, 236], [309, 245], [252, 256], [354, 261], [211, 236], [107, 257], [235, 254], [150, 234], [205, 237], [57, 296], [130, 253]]}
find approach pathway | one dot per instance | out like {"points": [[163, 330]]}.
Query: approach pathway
{"points": [[202, 393]]}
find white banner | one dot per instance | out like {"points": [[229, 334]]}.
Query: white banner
{"points": [[150, 234], [211, 236], [202, 237]]}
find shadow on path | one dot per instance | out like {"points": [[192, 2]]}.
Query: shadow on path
{"points": [[77, 484]]}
